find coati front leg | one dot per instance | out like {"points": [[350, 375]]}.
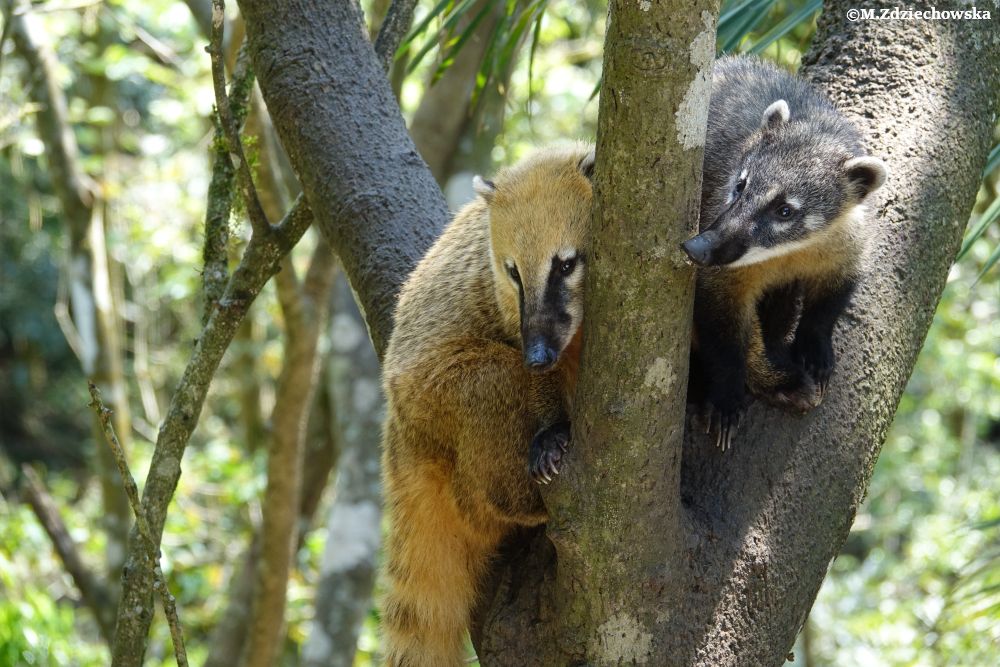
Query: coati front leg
{"points": [[723, 333], [775, 377], [547, 448], [813, 345], [457, 481]]}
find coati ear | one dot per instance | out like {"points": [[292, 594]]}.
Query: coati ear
{"points": [[866, 174], [586, 165], [775, 115], [485, 189]]}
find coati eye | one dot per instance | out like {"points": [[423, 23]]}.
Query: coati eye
{"points": [[741, 185], [784, 211], [514, 275], [567, 265]]}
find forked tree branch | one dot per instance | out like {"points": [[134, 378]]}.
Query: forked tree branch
{"points": [[132, 491], [375, 201]]}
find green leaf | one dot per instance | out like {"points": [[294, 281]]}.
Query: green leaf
{"points": [[992, 161], [456, 46], [422, 26], [535, 35], [743, 23], [989, 216], [993, 259], [789, 23]]}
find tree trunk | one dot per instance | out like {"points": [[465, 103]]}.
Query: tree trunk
{"points": [[731, 582]]}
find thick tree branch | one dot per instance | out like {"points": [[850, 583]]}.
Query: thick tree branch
{"points": [[374, 199], [630, 401], [94, 593], [392, 30]]}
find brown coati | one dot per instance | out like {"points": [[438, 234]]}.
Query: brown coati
{"points": [[478, 376], [783, 232]]}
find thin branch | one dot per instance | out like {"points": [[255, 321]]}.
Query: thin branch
{"points": [[8, 15], [390, 35], [169, 604], [227, 117], [95, 594], [215, 253]]}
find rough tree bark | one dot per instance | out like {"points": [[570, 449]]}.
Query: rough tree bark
{"points": [[752, 530]]}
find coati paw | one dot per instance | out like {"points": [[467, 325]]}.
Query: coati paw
{"points": [[800, 398], [723, 423], [817, 360], [547, 449]]}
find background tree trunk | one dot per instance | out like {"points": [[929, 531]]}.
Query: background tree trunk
{"points": [[347, 574], [95, 334], [760, 524]]}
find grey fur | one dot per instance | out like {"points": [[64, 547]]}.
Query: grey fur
{"points": [[799, 160]]}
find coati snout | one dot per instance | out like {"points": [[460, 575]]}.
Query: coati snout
{"points": [[789, 184], [540, 273], [713, 249]]}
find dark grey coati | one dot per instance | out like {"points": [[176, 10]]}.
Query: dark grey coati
{"points": [[783, 231]]}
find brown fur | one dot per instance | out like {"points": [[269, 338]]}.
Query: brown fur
{"points": [[462, 409]]}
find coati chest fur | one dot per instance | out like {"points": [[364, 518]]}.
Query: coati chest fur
{"points": [[784, 227], [478, 376]]}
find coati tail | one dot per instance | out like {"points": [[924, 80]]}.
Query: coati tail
{"points": [[432, 568]]}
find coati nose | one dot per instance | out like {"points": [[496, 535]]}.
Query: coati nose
{"points": [[699, 249], [538, 356]]}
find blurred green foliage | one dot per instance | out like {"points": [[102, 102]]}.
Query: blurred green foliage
{"points": [[918, 582]]}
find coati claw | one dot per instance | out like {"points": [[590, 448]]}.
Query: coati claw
{"points": [[723, 424], [546, 452]]}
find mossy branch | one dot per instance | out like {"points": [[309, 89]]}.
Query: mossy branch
{"points": [[227, 112], [220, 190]]}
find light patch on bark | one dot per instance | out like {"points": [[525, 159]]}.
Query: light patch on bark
{"points": [[692, 114], [622, 640], [352, 536], [660, 376], [167, 466], [644, 5], [367, 394], [84, 312], [319, 647], [345, 334]]}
